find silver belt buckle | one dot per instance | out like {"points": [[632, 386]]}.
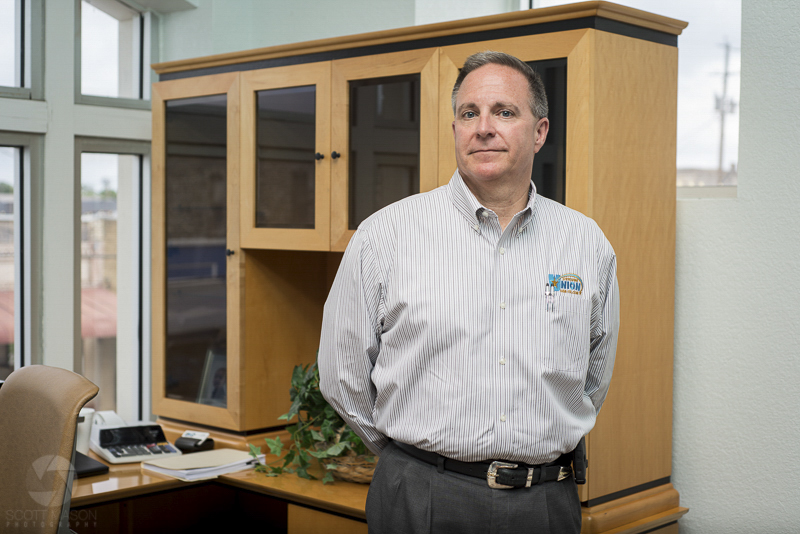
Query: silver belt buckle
{"points": [[564, 473], [491, 474]]}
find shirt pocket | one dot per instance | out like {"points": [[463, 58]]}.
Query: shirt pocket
{"points": [[564, 326]]}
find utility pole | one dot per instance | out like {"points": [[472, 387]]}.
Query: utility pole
{"points": [[724, 106]]}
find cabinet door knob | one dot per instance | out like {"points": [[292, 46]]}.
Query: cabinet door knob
{"points": [[229, 252], [319, 156], [335, 155]]}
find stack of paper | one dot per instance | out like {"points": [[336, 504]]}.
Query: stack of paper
{"points": [[203, 465]]}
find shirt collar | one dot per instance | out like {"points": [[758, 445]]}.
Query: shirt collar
{"points": [[466, 203]]}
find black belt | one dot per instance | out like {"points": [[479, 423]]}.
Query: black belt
{"points": [[498, 474]]}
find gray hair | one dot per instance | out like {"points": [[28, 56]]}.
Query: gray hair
{"points": [[537, 96]]}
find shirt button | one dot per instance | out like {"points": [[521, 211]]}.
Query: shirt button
{"points": [[502, 250], [503, 361], [502, 305], [476, 227], [485, 214], [502, 418]]}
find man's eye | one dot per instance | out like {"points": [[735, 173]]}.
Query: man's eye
{"points": [[469, 115], [506, 113]]}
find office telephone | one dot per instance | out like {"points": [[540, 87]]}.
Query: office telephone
{"points": [[117, 442]]}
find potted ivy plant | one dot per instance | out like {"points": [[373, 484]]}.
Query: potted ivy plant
{"points": [[319, 434]]}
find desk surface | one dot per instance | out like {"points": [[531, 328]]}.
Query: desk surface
{"points": [[124, 481], [346, 498]]}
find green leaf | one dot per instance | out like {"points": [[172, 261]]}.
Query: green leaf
{"points": [[302, 472], [328, 430], [331, 466], [317, 436], [336, 450], [275, 445], [255, 452], [328, 478]]}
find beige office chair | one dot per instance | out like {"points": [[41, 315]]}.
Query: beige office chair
{"points": [[39, 409]]}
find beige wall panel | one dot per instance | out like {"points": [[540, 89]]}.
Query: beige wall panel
{"points": [[285, 292], [634, 189], [580, 125], [304, 520], [448, 72]]}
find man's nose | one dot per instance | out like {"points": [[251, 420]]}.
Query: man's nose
{"points": [[486, 125]]}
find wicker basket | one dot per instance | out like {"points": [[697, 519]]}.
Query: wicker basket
{"points": [[353, 468]]}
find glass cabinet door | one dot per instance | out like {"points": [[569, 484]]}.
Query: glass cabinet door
{"points": [[383, 119], [383, 144], [286, 157], [196, 213], [195, 259]]}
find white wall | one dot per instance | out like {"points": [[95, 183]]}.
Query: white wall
{"points": [[737, 363], [737, 366], [219, 26]]}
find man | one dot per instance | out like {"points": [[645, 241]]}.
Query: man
{"points": [[470, 333]]}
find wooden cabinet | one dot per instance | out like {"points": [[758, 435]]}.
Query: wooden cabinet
{"points": [[615, 84], [326, 144]]}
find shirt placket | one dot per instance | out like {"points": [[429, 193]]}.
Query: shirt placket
{"points": [[505, 277]]}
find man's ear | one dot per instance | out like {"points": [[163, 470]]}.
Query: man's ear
{"points": [[542, 127]]}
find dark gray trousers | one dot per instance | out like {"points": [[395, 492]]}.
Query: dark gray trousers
{"points": [[408, 496]]}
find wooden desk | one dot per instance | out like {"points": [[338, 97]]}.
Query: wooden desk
{"points": [[128, 499]]}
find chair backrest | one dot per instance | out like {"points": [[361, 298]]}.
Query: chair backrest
{"points": [[39, 409]]}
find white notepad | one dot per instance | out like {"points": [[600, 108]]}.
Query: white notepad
{"points": [[203, 465]]}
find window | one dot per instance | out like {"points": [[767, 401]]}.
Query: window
{"points": [[708, 87], [11, 43], [10, 171], [20, 159], [112, 59], [111, 271], [20, 48]]}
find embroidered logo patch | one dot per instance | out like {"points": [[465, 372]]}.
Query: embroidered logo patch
{"points": [[566, 283]]}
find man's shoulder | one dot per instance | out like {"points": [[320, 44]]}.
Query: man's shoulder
{"points": [[552, 213], [411, 208]]}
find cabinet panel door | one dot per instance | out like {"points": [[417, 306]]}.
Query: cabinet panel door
{"points": [[195, 168], [384, 128], [285, 193]]}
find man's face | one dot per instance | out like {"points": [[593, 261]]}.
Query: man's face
{"points": [[496, 134]]}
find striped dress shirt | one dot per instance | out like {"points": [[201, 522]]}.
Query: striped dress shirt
{"points": [[446, 333]]}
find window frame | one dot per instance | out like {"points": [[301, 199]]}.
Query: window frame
{"points": [[146, 48], [131, 403]]}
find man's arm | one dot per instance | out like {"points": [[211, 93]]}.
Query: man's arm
{"points": [[604, 330], [350, 343]]}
